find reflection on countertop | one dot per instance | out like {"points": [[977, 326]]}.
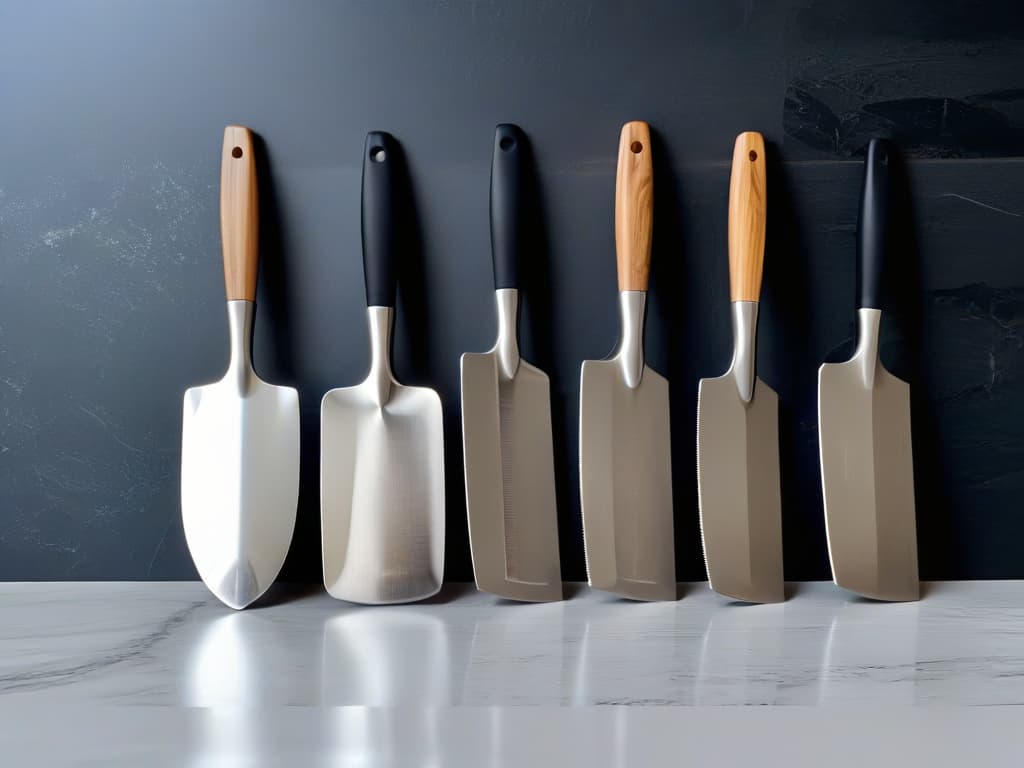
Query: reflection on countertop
{"points": [[173, 644]]}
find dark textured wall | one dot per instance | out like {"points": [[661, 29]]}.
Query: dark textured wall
{"points": [[110, 277]]}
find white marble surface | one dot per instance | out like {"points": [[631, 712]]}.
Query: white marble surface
{"points": [[173, 644], [440, 683]]}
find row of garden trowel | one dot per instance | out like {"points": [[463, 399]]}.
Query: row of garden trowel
{"points": [[382, 444]]}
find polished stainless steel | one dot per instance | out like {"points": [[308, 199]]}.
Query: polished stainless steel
{"points": [[867, 471], [509, 467], [382, 483], [626, 467], [239, 472], [744, 353], [738, 473]]}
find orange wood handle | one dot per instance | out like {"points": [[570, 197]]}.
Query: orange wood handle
{"points": [[748, 204], [239, 214], [634, 206]]}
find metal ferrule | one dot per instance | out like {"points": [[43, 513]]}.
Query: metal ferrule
{"points": [[381, 320], [868, 323], [630, 352], [744, 347], [507, 346], [240, 315]]}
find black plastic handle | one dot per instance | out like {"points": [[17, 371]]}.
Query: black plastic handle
{"points": [[380, 233], [507, 180], [873, 230]]}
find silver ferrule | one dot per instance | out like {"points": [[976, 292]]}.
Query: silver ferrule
{"points": [[744, 347], [381, 320], [868, 324], [507, 345], [240, 315], [630, 352]]}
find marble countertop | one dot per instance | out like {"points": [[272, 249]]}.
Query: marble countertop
{"points": [[172, 645]]}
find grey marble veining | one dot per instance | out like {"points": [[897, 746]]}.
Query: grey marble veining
{"points": [[173, 644]]}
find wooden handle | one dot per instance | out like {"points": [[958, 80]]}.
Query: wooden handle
{"points": [[748, 205], [634, 206], [239, 214]]}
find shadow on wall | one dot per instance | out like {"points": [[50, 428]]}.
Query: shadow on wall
{"points": [[275, 337], [787, 296], [902, 348], [676, 327], [538, 339]]}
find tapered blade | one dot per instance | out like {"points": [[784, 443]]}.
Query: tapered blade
{"points": [[626, 482], [239, 483], [510, 480], [867, 472], [382, 493], [738, 489]]}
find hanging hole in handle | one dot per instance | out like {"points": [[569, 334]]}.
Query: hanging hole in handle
{"points": [[377, 154], [636, 147], [236, 152], [752, 155], [507, 143]]}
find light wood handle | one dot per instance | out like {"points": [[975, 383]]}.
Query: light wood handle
{"points": [[634, 206], [239, 214], [748, 205]]}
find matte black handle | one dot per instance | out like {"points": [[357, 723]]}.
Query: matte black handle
{"points": [[873, 230], [507, 204], [380, 233]]}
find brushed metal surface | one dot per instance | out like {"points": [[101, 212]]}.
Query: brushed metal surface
{"points": [[867, 472], [239, 472], [626, 468], [509, 468], [382, 483], [738, 473]]}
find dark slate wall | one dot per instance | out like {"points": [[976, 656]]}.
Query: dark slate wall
{"points": [[110, 278]]}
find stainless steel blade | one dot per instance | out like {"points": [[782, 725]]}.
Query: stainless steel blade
{"points": [[509, 468], [738, 474], [382, 484], [626, 468], [867, 472], [239, 473]]}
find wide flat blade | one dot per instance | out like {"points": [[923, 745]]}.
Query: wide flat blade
{"points": [[239, 484], [626, 482], [382, 493], [867, 472], [738, 490], [510, 480]]}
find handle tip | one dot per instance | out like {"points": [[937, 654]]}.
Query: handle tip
{"points": [[237, 142], [749, 144], [878, 151], [635, 138], [508, 137], [379, 145]]}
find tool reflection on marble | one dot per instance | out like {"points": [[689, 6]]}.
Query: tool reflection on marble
{"points": [[872, 656], [239, 436], [382, 443], [506, 418], [232, 659], [867, 465], [746, 642], [625, 447], [738, 415], [387, 658]]}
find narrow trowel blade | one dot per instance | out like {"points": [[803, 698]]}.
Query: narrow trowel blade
{"points": [[510, 480], [867, 472], [626, 482], [738, 490]]}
